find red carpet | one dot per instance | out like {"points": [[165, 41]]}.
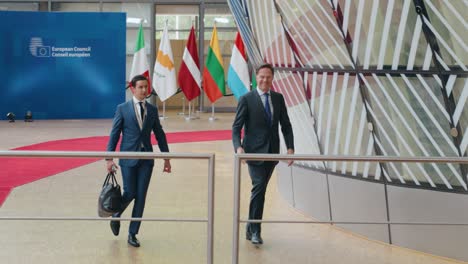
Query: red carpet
{"points": [[18, 171], [4, 191]]}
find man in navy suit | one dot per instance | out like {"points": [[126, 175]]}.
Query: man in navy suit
{"points": [[135, 120], [260, 112]]}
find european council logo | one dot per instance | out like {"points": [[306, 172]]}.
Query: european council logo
{"points": [[37, 49]]}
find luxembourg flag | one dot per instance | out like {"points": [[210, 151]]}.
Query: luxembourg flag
{"points": [[238, 73]]}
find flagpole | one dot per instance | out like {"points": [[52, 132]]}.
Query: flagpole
{"points": [[188, 118], [195, 113], [163, 116], [189, 110], [212, 117], [183, 107]]}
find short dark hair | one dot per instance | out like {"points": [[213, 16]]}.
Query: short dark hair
{"points": [[265, 66], [136, 79]]}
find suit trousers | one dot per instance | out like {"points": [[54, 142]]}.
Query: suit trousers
{"points": [[260, 176], [135, 186]]}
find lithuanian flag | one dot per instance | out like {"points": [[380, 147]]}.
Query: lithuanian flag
{"points": [[213, 73]]}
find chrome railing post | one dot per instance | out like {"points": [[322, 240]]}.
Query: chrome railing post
{"points": [[211, 191], [236, 207]]}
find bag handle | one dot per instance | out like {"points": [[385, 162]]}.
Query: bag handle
{"points": [[110, 178]]}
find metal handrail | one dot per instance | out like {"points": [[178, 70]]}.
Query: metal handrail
{"points": [[274, 157], [104, 154], [349, 222], [59, 218], [136, 155], [238, 158]]}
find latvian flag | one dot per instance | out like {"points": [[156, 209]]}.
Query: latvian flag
{"points": [[189, 73]]}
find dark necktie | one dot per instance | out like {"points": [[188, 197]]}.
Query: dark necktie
{"points": [[142, 111], [267, 108]]}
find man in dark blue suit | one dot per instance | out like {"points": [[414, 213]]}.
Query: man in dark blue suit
{"points": [[135, 120], [260, 112]]}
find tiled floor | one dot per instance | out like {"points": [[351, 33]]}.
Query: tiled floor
{"points": [[181, 194]]}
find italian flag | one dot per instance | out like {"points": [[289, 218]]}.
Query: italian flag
{"points": [[140, 64], [213, 73]]}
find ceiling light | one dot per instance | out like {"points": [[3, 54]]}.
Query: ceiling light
{"points": [[221, 20], [135, 20]]}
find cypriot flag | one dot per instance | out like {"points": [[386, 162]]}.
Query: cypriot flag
{"points": [[164, 76]]}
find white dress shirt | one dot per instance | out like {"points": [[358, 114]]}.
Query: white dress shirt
{"points": [[136, 106]]}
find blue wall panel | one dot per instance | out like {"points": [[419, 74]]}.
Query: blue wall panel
{"points": [[62, 65]]}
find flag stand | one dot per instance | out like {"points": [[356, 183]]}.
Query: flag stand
{"points": [[189, 117], [212, 117], [183, 107], [163, 116], [195, 113]]}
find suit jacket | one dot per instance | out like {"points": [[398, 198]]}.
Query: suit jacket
{"points": [[133, 138], [259, 137]]}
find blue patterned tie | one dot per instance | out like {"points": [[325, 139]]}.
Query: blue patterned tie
{"points": [[267, 108]]}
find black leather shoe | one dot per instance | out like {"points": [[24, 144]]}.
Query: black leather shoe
{"points": [[133, 241], [115, 227], [256, 239]]}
